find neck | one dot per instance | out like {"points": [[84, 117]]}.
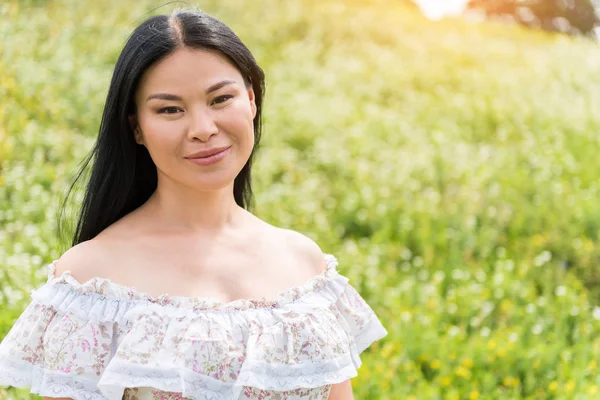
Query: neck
{"points": [[184, 209]]}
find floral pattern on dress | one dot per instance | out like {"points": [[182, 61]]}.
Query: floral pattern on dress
{"points": [[62, 343], [252, 393], [318, 393], [99, 340], [299, 338]]}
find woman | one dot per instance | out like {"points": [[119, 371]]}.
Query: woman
{"points": [[153, 301]]}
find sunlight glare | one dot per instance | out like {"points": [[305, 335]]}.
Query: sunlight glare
{"points": [[437, 9]]}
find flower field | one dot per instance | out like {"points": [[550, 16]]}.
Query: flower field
{"points": [[452, 167]]}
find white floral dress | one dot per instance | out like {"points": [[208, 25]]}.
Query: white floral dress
{"points": [[101, 340]]}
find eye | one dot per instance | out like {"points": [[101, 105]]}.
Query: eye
{"points": [[163, 110], [222, 99]]}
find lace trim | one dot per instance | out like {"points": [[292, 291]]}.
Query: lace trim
{"points": [[108, 289], [47, 383]]}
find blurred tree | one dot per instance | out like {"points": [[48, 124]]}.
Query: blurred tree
{"points": [[568, 16]]}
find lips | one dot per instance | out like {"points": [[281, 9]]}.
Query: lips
{"points": [[208, 152], [210, 160]]}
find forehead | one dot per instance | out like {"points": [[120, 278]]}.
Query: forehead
{"points": [[189, 68]]}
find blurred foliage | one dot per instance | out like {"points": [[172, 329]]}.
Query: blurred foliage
{"points": [[451, 167], [567, 16]]}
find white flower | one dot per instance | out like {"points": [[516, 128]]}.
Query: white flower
{"points": [[487, 308], [406, 254], [439, 276], [458, 274], [454, 330], [541, 301], [480, 275], [574, 311], [542, 258], [498, 278], [406, 316]]}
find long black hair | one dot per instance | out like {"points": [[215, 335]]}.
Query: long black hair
{"points": [[123, 176]]}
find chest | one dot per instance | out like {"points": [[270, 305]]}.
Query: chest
{"points": [[226, 272]]}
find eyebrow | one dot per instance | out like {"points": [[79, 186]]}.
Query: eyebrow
{"points": [[167, 96]]}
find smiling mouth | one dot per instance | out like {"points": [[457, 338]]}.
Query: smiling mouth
{"points": [[208, 153], [211, 159]]}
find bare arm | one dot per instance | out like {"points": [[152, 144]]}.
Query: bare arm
{"points": [[341, 391], [57, 398]]}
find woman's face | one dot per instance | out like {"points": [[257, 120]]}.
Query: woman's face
{"points": [[195, 100]]}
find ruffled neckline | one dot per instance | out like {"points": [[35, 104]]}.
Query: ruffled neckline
{"points": [[107, 289]]}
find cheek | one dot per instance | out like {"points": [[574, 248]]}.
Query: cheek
{"points": [[241, 119], [154, 126], [160, 136]]}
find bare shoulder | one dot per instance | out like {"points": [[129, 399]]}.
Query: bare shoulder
{"points": [[82, 260], [305, 249]]}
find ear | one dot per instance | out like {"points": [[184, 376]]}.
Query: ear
{"points": [[252, 101], [137, 133]]}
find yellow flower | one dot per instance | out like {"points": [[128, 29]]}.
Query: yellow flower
{"points": [[385, 386], [491, 344], [431, 304], [509, 381], [553, 386], [536, 364], [593, 389], [467, 362], [474, 395], [506, 305], [436, 364], [445, 381], [462, 372], [539, 240], [387, 350], [589, 245], [592, 365], [501, 352], [570, 386]]}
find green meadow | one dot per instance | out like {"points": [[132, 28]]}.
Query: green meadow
{"points": [[452, 167]]}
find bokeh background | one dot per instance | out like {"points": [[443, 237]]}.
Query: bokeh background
{"points": [[451, 164]]}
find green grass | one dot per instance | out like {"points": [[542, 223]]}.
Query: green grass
{"points": [[451, 167]]}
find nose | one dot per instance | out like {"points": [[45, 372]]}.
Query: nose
{"points": [[202, 125]]}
